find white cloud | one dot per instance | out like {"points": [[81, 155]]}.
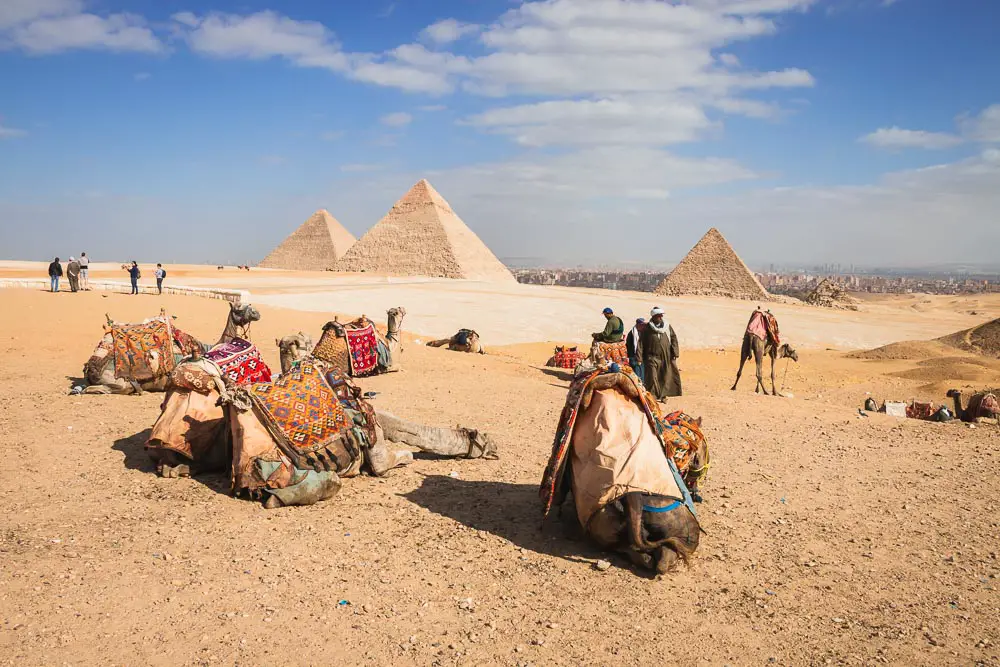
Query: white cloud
{"points": [[984, 127], [397, 119], [53, 26], [432, 107], [896, 138], [11, 132], [448, 31]]}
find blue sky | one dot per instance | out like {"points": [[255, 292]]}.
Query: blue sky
{"points": [[578, 131]]}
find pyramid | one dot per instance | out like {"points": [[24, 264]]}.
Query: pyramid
{"points": [[315, 246], [422, 236], [713, 268]]}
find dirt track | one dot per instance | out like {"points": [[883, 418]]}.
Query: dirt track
{"points": [[831, 537]]}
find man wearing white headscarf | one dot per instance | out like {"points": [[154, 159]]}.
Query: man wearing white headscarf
{"points": [[660, 351]]}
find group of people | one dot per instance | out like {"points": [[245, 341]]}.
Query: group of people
{"points": [[652, 350], [77, 271]]}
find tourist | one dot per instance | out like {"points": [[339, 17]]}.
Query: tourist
{"points": [[55, 273], [660, 351], [614, 330], [134, 273], [84, 268], [160, 275], [634, 344], [73, 273]]}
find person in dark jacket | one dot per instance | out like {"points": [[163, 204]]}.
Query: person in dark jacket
{"points": [[134, 274], [55, 273], [634, 344], [660, 351]]}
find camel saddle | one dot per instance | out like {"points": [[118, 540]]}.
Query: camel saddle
{"points": [[763, 324]]}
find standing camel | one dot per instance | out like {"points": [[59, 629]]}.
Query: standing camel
{"points": [[759, 347]]}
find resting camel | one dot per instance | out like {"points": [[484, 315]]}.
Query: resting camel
{"points": [[466, 340], [191, 436], [759, 348], [332, 346], [294, 348], [983, 404], [99, 371], [629, 496]]}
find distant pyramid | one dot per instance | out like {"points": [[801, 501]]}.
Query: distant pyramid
{"points": [[713, 268], [314, 246], [422, 236]]}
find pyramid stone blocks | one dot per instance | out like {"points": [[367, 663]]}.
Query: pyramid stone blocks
{"points": [[422, 236], [712, 268], [315, 246]]}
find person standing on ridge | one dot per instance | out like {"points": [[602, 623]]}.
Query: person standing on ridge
{"points": [[73, 273], [84, 269], [134, 273], [55, 273], [160, 274]]}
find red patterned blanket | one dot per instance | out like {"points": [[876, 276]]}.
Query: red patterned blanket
{"points": [[616, 353], [363, 347], [240, 361], [566, 358]]}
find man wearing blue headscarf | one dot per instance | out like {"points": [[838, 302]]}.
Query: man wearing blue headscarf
{"points": [[614, 331]]}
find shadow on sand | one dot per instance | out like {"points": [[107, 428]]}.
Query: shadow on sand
{"points": [[136, 458], [510, 511], [560, 373]]}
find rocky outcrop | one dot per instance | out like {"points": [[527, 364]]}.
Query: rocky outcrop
{"points": [[829, 294]]}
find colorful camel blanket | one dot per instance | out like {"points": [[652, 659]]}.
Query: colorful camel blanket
{"points": [[764, 324], [143, 352], [311, 421], [682, 438], [362, 344], [566, 358], [616, 353], [554, 487], [186, 343], [240, 362], [983, 405]]}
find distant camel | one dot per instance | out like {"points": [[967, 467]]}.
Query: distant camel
{"points": [[758, 348], [981, 404], [466, 340]]}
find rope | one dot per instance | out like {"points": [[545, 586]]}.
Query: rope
{"points": [[784, 377]]}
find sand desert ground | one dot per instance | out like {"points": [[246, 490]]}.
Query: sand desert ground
{"points": [[831, 538]]}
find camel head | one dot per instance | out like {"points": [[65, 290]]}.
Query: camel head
{"points": [[243, 315], [786, 351], [395, 319], [954, 393]]}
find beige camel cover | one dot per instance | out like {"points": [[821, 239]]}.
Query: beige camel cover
{"points": [[315, 246], [422, 236], [712, 268], [615, 452]]}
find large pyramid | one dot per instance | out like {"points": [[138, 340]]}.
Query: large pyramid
{"points": [[315, 246], [422, 236], [713, 268]]}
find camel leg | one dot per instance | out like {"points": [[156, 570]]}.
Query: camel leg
{"points": [[774, 389], [759, 359], [460, 442], [439, 343], [739, 373]]}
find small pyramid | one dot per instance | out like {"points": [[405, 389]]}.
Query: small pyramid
{"points": [[422, 236], [713, 268], [315, 246]]}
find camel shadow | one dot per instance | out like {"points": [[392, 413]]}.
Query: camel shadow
{"points": [[134, 449], [509, 511], [559, 373]]}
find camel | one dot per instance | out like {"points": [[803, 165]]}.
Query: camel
{"points": [[332, 346], [466, 340], [99, 371], [983, 404], [294, 348], [565, 356], [629, 496], [267, 462], [754, 345]]}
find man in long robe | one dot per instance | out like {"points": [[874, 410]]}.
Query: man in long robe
{"points": [[73, 273], [614, 330], [660, 351]]}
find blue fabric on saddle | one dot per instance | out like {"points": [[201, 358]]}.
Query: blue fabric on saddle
{"points": [[462, 337]]}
